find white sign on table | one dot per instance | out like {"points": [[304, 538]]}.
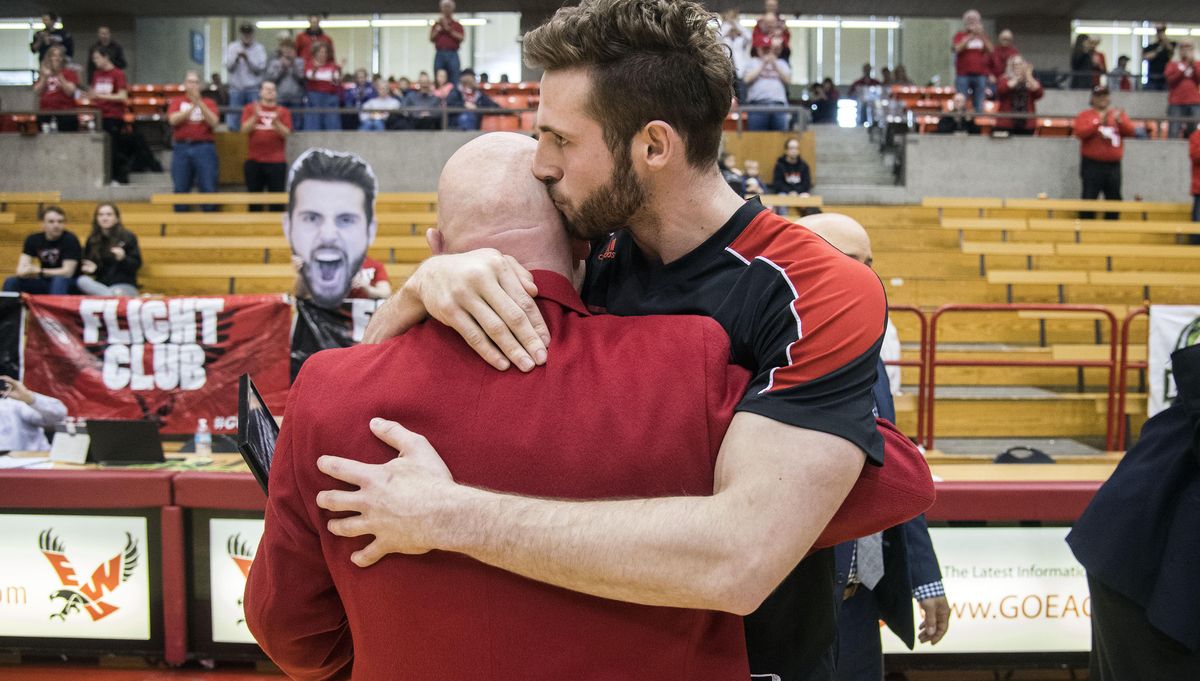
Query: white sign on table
{"points": [[232, 543], [75, 576], [1011, 590]]}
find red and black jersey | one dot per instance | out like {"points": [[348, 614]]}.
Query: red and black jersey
{"points": [[807, 321]]}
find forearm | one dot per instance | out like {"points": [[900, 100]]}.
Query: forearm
{"points": [[67, 269], [678, 552], [47, 411]]}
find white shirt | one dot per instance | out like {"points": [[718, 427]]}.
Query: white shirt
{"points": [[768, 87], [22, 425]]}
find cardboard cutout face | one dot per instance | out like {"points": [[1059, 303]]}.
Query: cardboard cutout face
{"points": [[330, 221]]}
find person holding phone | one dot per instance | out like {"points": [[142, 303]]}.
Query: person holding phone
{"points": [[25, 416]]}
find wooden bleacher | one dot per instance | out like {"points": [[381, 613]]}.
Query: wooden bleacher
{"points": [[918, 256]]}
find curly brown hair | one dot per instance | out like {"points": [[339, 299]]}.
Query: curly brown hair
{"points": [[648, 60]]}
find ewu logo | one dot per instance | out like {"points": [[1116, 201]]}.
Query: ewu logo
{"points": [[105, 579], [168, 336], [239, 551]]}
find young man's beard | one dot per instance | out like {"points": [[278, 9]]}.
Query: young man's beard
{"points": [[329, 291], [611, 206]]}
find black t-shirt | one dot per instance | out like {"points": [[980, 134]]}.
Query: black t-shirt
{"points": [[52, 253], [807, 321], [1158, 65]]}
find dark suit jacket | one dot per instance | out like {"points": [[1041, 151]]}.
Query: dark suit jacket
{"points": [[1140, 535], [908, 557]]}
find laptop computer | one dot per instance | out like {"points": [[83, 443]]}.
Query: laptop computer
{"points": [[122, 442], [257, 431]]}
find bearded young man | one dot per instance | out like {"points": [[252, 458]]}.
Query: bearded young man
{"points": [[632, 102]]}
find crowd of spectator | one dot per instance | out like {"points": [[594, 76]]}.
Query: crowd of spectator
{"points": [[53, 262]]}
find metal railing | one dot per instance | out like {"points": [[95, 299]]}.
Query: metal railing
{"points": [[1112, 364]]}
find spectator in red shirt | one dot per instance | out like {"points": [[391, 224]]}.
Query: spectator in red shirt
{"points": [[268, 125], [771, 31], [324, 80], [1101, 130], [1003, 51], [1017, 91], [972, 61], [447, 36], [55, 88], [109, 92], [1183, 97], [193, 157], [1194, 154], [312, 36]]}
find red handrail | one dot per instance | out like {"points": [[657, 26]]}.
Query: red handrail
{"points": [[919, 363], [1112, 363], [1125, 366]]}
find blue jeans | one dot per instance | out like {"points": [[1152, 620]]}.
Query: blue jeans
{"points": [[330, 120], [974, 87], [765, 120], [1181, 111], [55, 286], [372, 124], [237, 100], [447, 59], [194, 162], [294, 106], [467, 120]]}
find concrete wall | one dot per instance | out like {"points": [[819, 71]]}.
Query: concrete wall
{"points": [[939, 165], [74, 164], [1071, 102], [408, 161]]}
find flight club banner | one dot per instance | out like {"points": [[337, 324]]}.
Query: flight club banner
{"points": [[172, 360], [318, 328], [70, 576], [1172, 327]]}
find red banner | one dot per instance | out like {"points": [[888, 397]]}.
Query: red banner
{"points": [[176, 360]]}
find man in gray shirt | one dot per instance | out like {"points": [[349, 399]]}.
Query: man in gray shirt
{"points": [[246, 61], [286, 70]]}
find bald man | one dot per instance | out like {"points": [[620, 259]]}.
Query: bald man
{"points": [[909, 564], [627, 407]]}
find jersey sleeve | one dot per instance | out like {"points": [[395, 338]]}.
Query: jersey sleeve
{"points": [[815, 339]]}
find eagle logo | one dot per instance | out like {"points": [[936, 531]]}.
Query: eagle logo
{"points": [[89, 597], [239, 551]]}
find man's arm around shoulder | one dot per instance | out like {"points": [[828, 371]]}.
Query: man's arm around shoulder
{"points": [[776, 487]]}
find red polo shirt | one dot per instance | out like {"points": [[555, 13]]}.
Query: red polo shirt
{"points": [[444, 41], [624, 407], [193, 128], [265, 144], [1102, 139]]}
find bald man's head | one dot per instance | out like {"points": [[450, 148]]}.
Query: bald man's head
{"points": [[843, 233], [488, 197]]}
